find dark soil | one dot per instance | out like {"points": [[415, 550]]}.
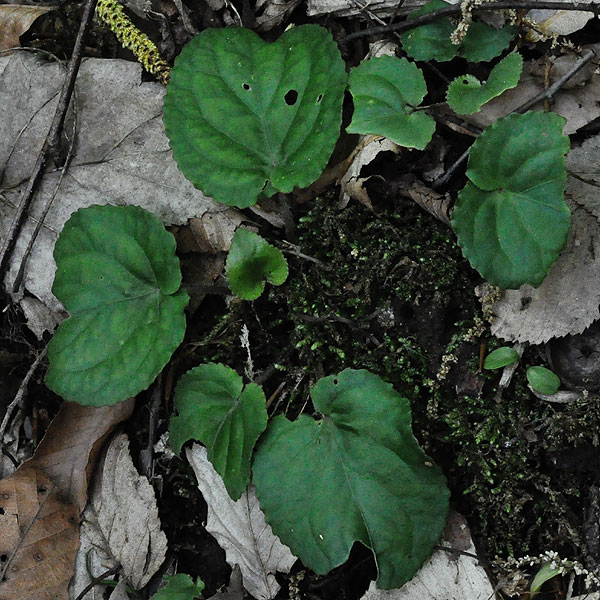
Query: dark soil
{"points": [[386, 291]]}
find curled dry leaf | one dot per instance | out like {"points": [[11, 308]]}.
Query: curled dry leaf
{"points": [[39, 537], [557, 22], [445, 574], [567, 300], [126, 515], [15, 20], [240, 529], [369, 147]]}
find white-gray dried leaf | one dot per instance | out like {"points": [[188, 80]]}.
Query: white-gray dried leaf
{"points": [[121, 153], [445, 574], [125, 508], [241, 530], [583, 183], [567, 301]]}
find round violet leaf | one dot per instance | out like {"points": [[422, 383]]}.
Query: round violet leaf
{"points": [[245, 116]]}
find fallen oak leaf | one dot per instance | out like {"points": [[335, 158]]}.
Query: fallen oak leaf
{"points": [[40, 537], [15, 20]]}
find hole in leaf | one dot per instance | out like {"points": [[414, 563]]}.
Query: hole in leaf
{"points": [[335, 381], [3, 557], [264, 187], [1, 511], [525, 302], [246, 86], [465, 81], [291, 97], [319, 98]]}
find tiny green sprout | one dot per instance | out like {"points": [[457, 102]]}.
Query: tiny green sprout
{"points": [[546, 572], [501, 357], [180, 587], [543, 380], [250, 262]]}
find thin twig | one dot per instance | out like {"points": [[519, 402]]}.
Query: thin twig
{"points": [[40, 223], [547, 94], [51, 143], [94, 582], [455, 9], [20, 393]]}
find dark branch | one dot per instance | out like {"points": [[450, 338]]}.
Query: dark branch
{"points": [[455, 9]]}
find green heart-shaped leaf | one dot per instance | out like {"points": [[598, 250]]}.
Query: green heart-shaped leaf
{"points": [[386, 92], [511, 219], [466, 94], [251, 261], [243, 115], [358, 474], [432, 41], [119, 278], [214, 407]]}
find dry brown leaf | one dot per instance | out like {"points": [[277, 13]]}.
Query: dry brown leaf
{"points": [[214, 231], [567, 301], [15, 20], [39, 537], [68, 452], [583, 183], [369, 147], [126, 516]]}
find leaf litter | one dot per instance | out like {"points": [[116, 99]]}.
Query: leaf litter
{"points": [[241, 530]]}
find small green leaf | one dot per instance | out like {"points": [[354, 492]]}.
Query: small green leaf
{"points": [[432, 41], [243, 115], [546, 573], [543, 380], [484, 42], [251, 261], [501, 357], [119, 278], [180, 587], [214, 407], [511, 219], [357, 474], [386, 91], [466, 94]]}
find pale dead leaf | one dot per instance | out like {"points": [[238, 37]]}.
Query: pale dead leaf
{"points": [[364, 8], [124, 506], [272, 13], [235, 589], [67, 453], [578, 101], [90, 562], [40, 318], [583, 183], [567, 300], [39, 538], [214, 231], [557, 22], [120, 592], [352, 184], [444, 575], [240, 529], [15, 20], [122, 154]]}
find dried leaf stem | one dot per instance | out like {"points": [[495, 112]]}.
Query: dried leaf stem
{"points": [[455, 9], [52, 141]]}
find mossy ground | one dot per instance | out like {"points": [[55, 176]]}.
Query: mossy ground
{"points": [[391, 293]]}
